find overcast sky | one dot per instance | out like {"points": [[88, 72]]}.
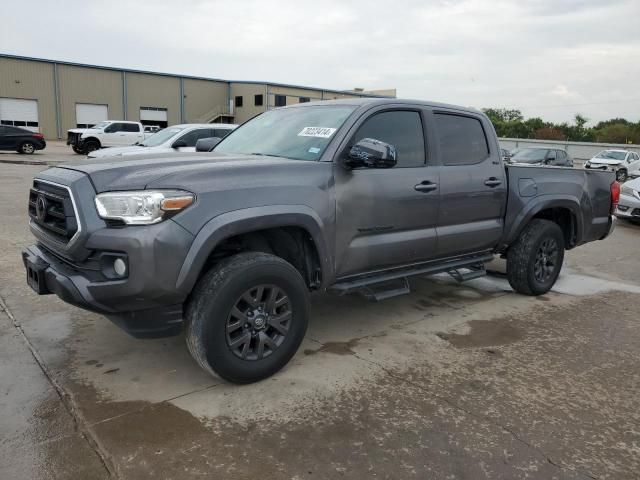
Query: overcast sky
{"points": [[549, 58]]}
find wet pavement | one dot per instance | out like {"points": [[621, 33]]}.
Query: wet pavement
{"points": [[453, 381]]}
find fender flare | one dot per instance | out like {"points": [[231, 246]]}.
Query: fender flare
{"points": [[248, 220], [533, 208]]}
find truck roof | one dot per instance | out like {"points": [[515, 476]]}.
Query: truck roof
{"points": [[386, 101]]}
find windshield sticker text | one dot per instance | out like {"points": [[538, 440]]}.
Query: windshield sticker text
{"points": [[319, 132]]}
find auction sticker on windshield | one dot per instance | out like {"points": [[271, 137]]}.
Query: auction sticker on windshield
{"points": [[320, 132]]}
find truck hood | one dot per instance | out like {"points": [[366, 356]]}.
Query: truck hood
{"points": [[130, 150], [604, 161], [84, 130], [188, 171]]}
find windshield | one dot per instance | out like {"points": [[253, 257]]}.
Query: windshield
{"points": [[297, 133], [101, 125], [612, 155], [530, 155], [160, 137]]}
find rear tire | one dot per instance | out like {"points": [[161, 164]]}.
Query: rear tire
{"points": [[534, 261], [247, 316], [27, 148]]}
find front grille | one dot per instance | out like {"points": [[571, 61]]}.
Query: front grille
{"points": [[73, 138], [51, 208]]}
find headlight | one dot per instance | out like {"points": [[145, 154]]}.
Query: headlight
{"points": [[142, 207], [626, 190]]}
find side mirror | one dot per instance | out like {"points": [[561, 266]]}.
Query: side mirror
{"points": [[372, 153], [179, 144], [207, 144]]}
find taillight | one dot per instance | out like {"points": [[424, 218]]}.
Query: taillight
{"points": [[38, 135], [615, 195]]}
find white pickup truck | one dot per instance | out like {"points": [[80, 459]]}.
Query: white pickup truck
{"points": [[110, 133]]}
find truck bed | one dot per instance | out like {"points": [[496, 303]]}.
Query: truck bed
{"points": [[586, 193]]}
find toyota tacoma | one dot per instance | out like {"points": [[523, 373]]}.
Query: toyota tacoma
{"points": [[348, 196]]}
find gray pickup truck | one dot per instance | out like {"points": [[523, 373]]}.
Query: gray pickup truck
{"points": [[352, 195]]}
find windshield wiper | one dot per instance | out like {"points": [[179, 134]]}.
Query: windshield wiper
{"points": [[267, 155]]}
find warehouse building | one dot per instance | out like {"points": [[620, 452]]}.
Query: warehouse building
{"points": [[51, 96]]}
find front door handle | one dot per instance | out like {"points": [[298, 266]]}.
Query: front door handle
{"points": [[492, 182], [426, 187]]}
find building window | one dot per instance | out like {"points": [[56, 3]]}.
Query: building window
{"points": [[304, 99], [281, 100], [259, 100], [238, 101]]}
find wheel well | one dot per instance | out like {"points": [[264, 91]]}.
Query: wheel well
{"points": [[92, 139], [293, 244], [566, 220]]}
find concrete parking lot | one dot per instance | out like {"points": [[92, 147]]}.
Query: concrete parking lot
{"points": [[452, 381]]}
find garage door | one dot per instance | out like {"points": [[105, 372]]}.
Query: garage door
{"points": [[153, 116], [88, 114], [20, 113]]}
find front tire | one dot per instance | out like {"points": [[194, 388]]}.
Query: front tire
{"points": [[90, 146], [27, 148], [534, 261], [622, 175], [78, 150], [247, 317]]}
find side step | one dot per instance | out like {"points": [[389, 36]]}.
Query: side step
{"points": [[386, 284], [468, 273], [384, 290]]}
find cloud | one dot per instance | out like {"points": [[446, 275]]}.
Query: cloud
{"points": [[469, 52]]}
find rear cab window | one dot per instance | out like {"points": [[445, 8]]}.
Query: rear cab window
{"points": [[461, 139]]}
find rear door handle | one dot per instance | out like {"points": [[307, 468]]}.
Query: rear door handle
{"points": [[426, 187], [492, 182]]}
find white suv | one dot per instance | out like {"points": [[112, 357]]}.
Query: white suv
{"points": [[180, 138], [110, 133]]}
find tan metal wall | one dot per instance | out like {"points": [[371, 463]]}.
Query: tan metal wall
{"points": [[147, 90], [204, 99], [88, 85], [31, 80], [293, 94]]}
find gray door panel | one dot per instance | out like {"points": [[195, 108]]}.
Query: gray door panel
{"points": [[472, 195], [387, 217], [382, 220]]}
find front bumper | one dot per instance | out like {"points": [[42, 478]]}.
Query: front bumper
{"points": [[628, 207], [145, 303]]}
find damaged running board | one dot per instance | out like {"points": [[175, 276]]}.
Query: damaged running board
{"points": [[391, 283]]}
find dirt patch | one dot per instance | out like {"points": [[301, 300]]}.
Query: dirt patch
{"points": [[485, 333], [337, 348]]}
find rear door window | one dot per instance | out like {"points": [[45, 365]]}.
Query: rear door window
{"points": [[461, 139]]}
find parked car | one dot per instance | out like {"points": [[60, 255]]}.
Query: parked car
{"points": [[151, 129], [629, 204], [542, 156], [343, 195], [181, 138], [111, 133], [20, 139], [624, 163]]}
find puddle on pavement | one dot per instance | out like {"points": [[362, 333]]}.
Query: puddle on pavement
{"points": [[485, 333]]}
